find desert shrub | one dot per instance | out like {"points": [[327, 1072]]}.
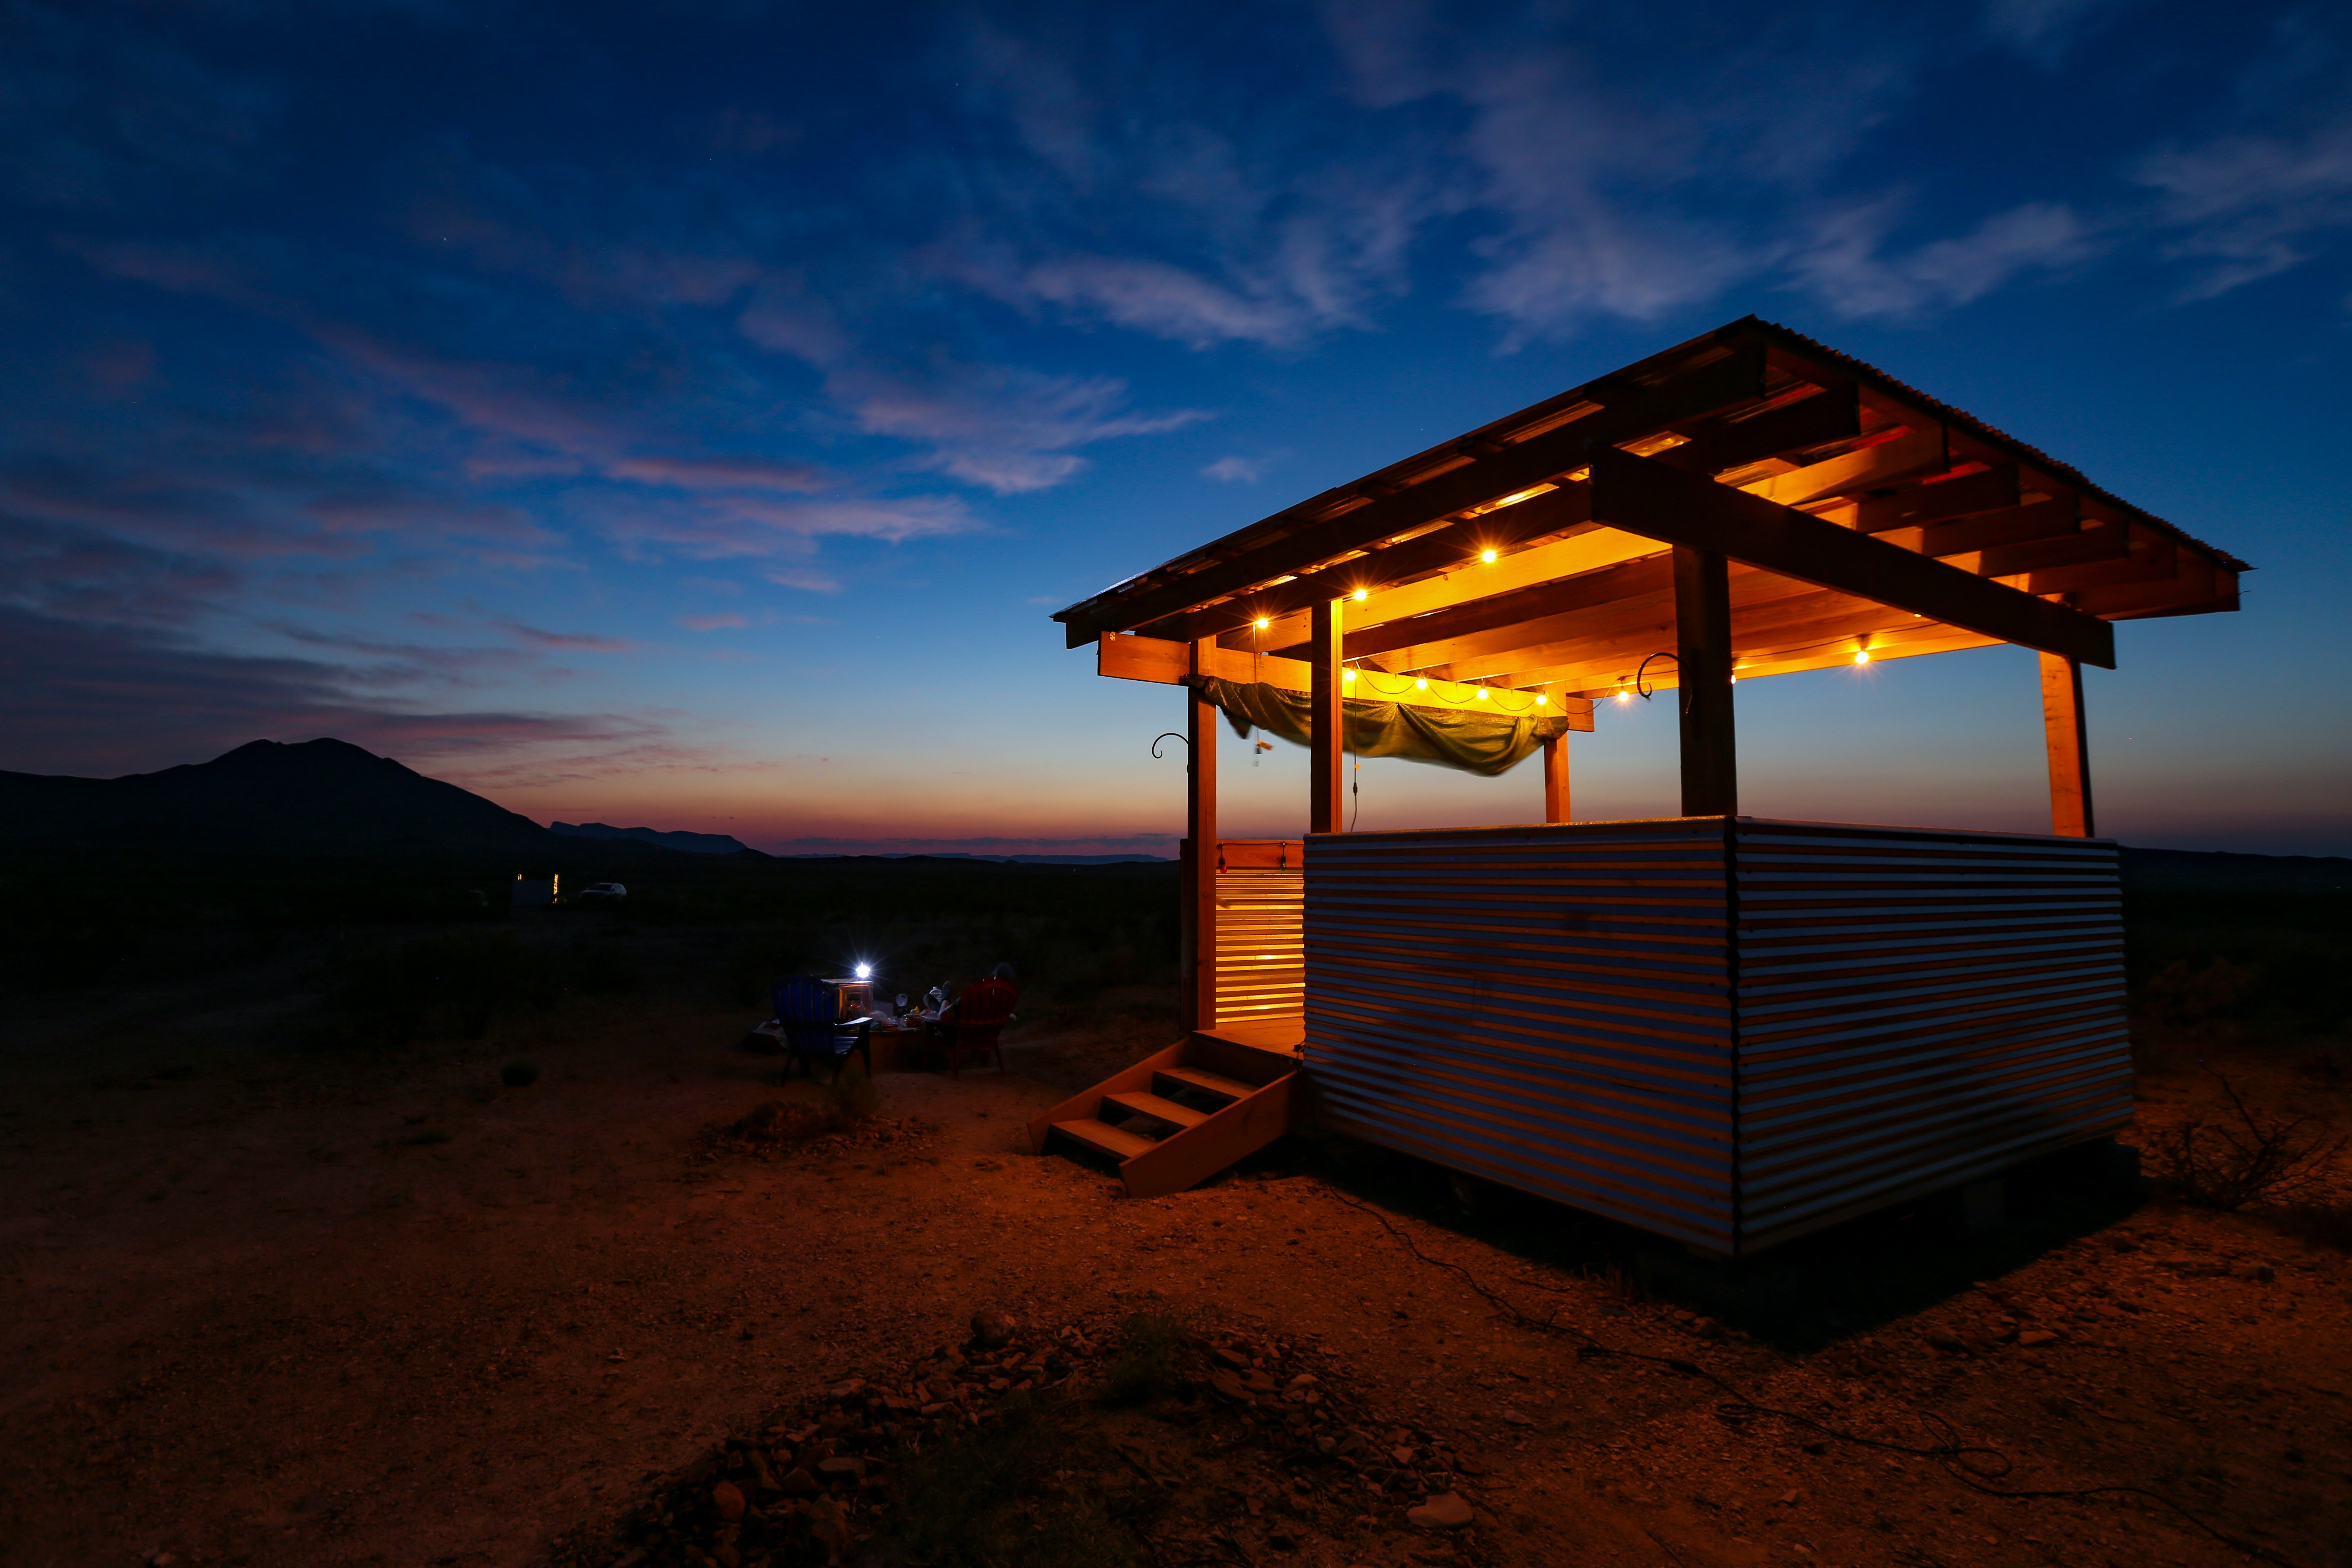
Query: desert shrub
{"points": [[2229, 1160], [518, 1074], [989, 1498], [1145, 1368], [449, 986]]}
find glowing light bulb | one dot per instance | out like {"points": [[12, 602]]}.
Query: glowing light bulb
{"points": [[1263, 622], [1360, 595], [1624, 696], [1542, 700], [1421, 684], [1348, 676], [1861, 656], [1735, 681], [1481, 694], [1487, 556], [865, 972]]}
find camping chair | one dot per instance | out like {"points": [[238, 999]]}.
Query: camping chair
{"points": [[980, 1015], [804, 1015]]}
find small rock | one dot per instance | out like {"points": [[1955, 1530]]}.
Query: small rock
{"points": [[1706, 1328], [798, 1482], [2260, 1273], [729, 1498], [1282, 1538], [2032, 1337], [992, 1330], [1944, 1342], [841, 1467], [1446, 1511], [1516, 1419]]}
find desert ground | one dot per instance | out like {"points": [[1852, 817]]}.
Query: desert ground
{"points": [[279, 1296]]}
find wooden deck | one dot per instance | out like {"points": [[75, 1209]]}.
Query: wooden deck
{"points": [[1287, 1036]]}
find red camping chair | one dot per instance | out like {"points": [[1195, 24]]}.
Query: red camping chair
{"points": [[980, 1015]]}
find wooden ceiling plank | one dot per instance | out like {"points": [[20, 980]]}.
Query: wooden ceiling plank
{"points": [[1831, 415], [1643, 497], [2059, 517], [1721, 384], [1167, 663], [1919, 450], [1939, 500]]}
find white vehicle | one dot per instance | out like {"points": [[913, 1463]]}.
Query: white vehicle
{"points": [[601, 893]]}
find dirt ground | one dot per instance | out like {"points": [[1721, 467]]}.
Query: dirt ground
{"points": [[270, 1304]]}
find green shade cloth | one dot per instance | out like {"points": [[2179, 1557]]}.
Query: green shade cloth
{"points": [[1476, 742]]}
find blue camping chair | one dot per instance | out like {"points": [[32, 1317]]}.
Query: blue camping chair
{"points": [[805, 1011]]}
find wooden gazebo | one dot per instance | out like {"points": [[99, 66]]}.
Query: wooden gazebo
{"points": [[1723, 1029]]}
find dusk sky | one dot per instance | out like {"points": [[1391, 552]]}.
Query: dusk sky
{"points": [[690, 415]]}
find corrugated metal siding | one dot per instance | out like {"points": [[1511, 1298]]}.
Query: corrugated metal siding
{"points": [[1545, 1006], [1566, 1010], [1260, 949], [1918, 1009]]}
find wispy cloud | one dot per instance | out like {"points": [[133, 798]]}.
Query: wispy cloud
{"points": [[999, 427], [1235, 470], [713, 623], [1848, 266]]}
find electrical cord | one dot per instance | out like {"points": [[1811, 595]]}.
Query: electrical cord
{"points": [[1953, 1455]]}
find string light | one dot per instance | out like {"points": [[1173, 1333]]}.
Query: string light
{"points": [[1862, 655], [1360, 595], [1542, 700], [1487, 556], [1421, 684], [1263, 622], [1347, 677], [1624, 696], [1481, 694]]}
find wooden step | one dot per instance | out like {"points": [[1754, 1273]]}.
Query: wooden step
{"points": [[1105, 1139], [1223, 1088], [1158, 1109]]}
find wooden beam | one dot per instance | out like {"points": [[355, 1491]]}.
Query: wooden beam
{"points": [[1916, 449], [1684, 509], [1624, 412], [1555, 766], [1988, 489], [1832, 414], [1165, 663], [1710, 765], [1199, 998], [1467, 580], [2069, 745], [1327, 731]]}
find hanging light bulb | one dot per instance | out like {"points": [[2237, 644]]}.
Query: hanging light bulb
{"points": [[1542, 700], [1623, 696], [1421, 684], [1481, 694], [1347, 677], [1360, 595], [1487, 556], [1861, 656], [1263, 622]]}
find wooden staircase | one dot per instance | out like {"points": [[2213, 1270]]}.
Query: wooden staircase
{"points": [[1181, 1115]]}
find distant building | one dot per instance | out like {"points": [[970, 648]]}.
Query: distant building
{"points": [[533, 895]]}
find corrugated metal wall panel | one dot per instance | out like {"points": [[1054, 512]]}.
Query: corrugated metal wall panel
{"points": [[1260, 949], [1566, 1010], [1547, 1007], [1918, 1009]]}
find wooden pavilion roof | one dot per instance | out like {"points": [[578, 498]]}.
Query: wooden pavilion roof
{"points": [[1535, 554]]}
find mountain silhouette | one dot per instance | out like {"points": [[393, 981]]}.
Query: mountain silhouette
{"points": [[317, 797], [692, 843]]}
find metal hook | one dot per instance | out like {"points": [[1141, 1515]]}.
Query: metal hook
{"points": [[1642, 691], [1167, 735]]}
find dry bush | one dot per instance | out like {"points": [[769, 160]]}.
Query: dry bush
{"points": [[2227, 1163]]}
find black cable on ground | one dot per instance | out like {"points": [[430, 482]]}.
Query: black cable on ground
{"points": [[1958, 1458]]}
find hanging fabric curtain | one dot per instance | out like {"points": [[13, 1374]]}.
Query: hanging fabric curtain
{"points": [[1487, 743]]}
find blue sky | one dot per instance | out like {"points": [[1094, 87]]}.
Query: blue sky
{"points": [[689, 414]]}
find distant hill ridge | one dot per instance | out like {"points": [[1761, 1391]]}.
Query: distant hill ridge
{"points": [[322, 796], [675, 838]]}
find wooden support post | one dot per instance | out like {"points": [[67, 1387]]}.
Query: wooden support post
{"points": [[1703, 660], [1198, 1005], [1327, 765], [2070, 747], [1555, 765]]}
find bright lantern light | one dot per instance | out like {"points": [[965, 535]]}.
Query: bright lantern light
{"points": [[1360, 595], [1481, 694], [1862, 657], [1263, 622], [1624, 696], [1487, 556], [865, 972], [1421, 684], [1542, 700], [1346, 674]]}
